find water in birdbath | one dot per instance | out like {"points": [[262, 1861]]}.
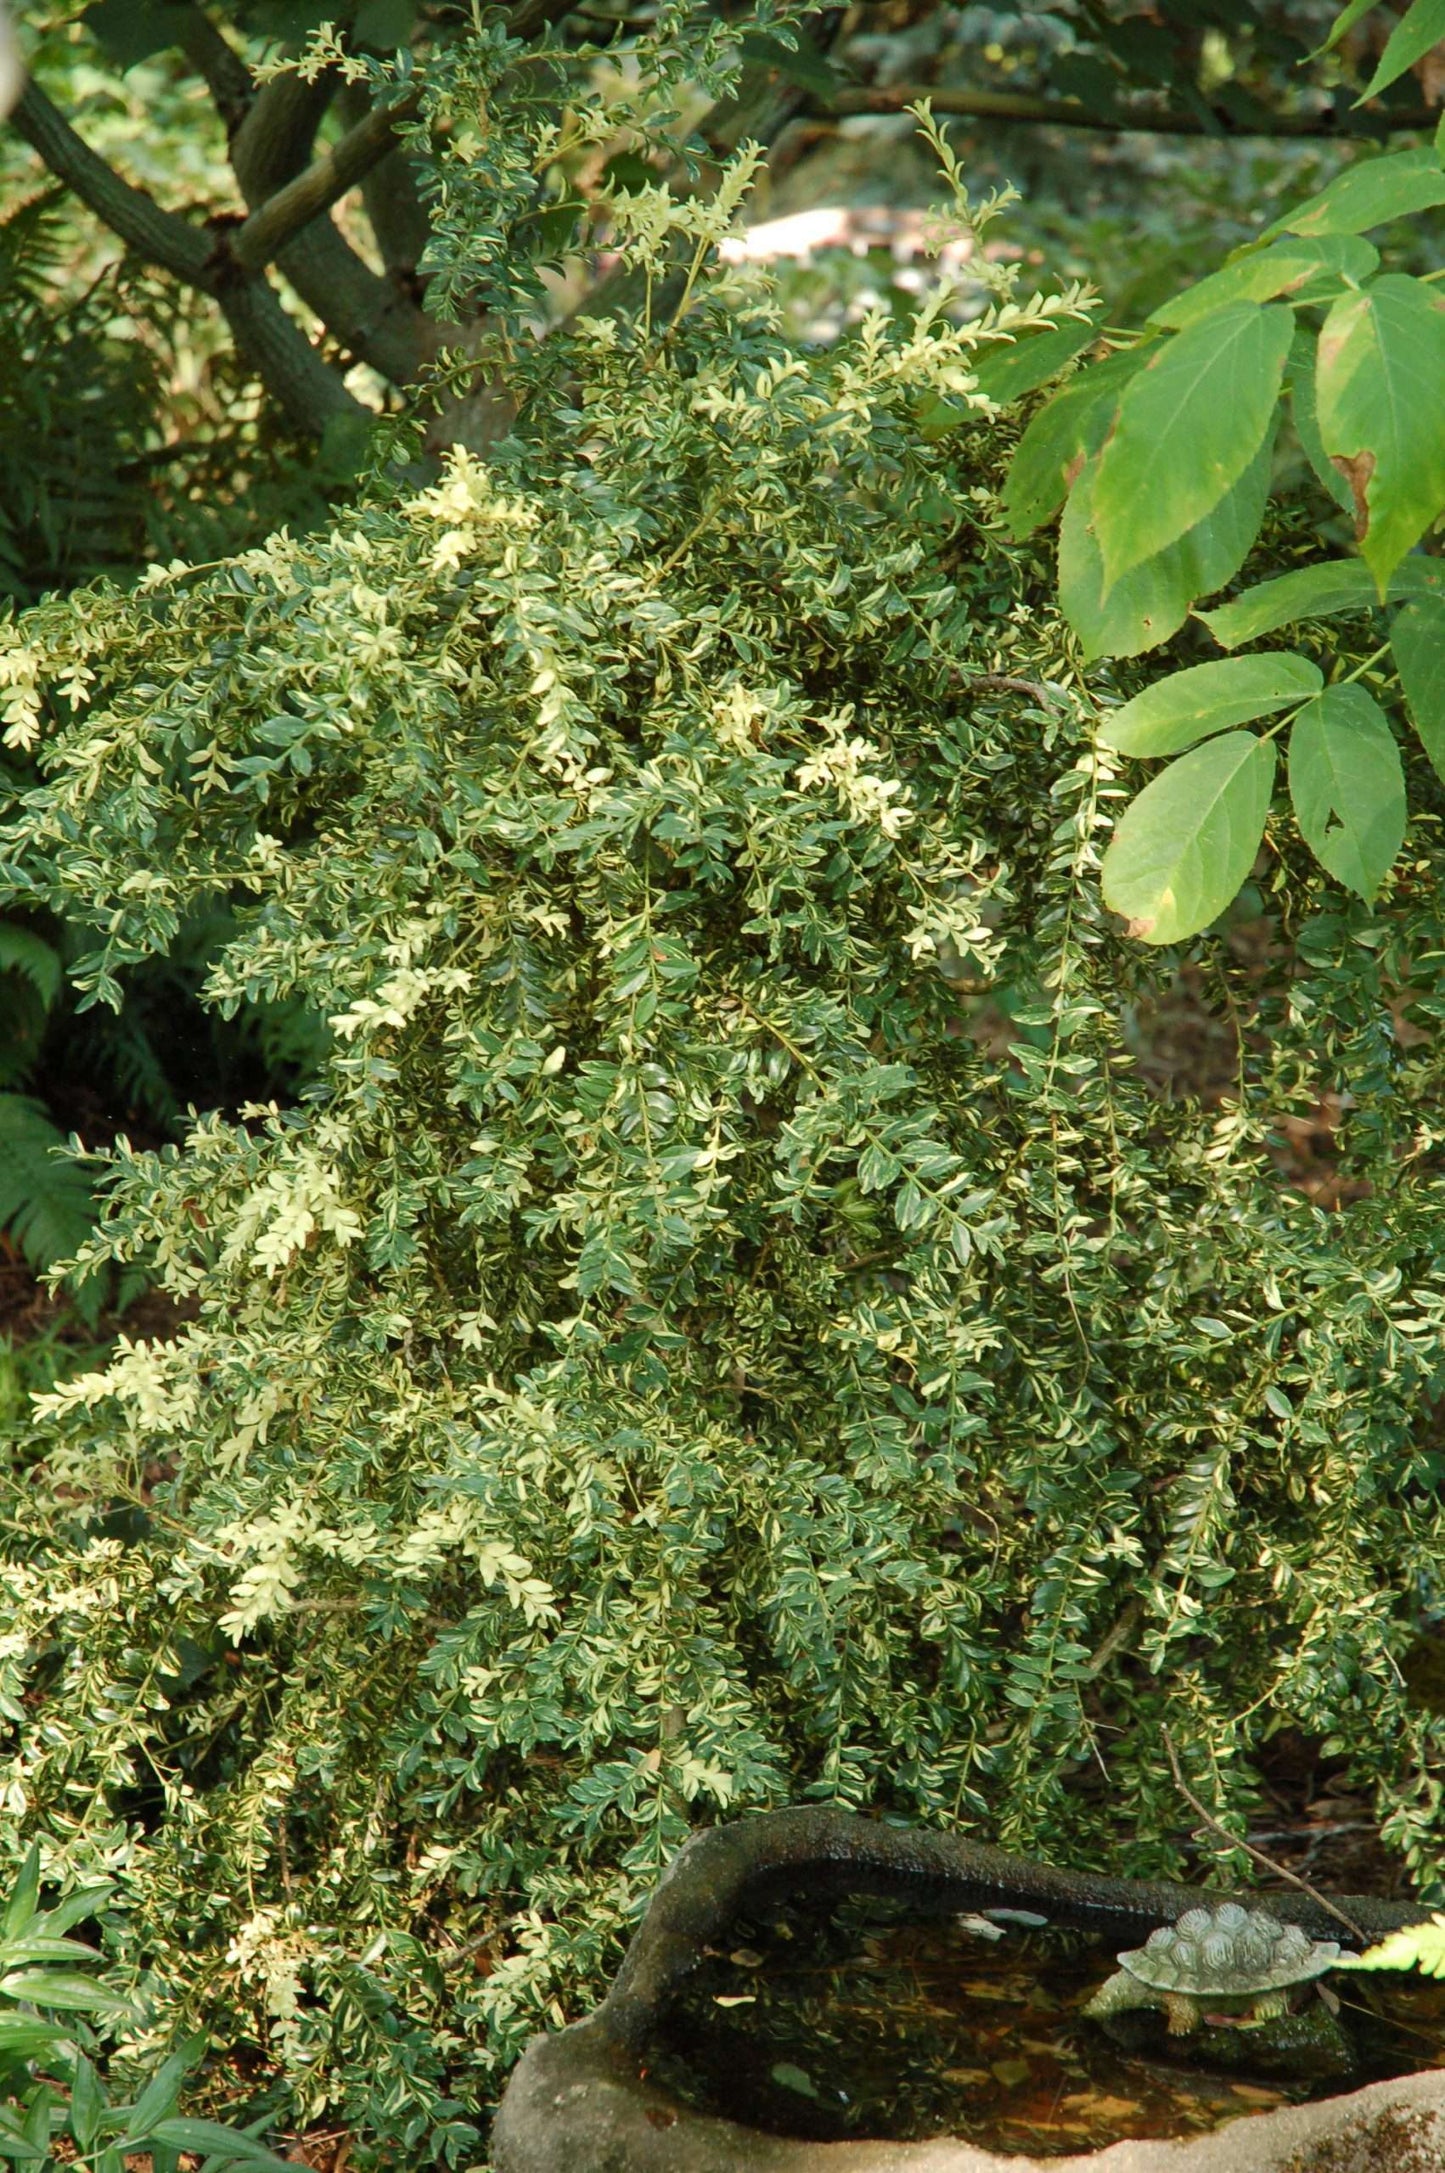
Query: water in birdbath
{"points": [[864, 2021]]}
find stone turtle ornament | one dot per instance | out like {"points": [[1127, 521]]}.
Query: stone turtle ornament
{"points": [[1227, 1961]]}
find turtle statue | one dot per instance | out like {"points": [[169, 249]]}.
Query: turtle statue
{"points": [[1227, 1961]]}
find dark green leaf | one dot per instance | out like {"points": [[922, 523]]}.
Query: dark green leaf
{"points": [[1379, 383], [1300, 379], [1348, 787], [1189, 425], [1050, 450], [805, 66], [1314, 592], [1418, 641], [130, 31], [1293, 268], [87, 2103], [1184, 847], [1371, 193], [1153, 600], [63, 1989], [1007, 373], [1175, 712], [208, 2136], [25, 1895]]}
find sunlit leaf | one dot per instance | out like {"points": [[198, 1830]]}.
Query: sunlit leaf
{"points": [[1188, 426], [1292, 268], [1184, 847], [1348, 787], [1371, 193], [1153, 600], [1417, 640], [1415, 1946], [1175, 712], [1379, 383]]}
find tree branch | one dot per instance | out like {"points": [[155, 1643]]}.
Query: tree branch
{"points": [[276, 348], [372, 317], [1063, 113], [222, 69], [160, 236], [326, 179]]}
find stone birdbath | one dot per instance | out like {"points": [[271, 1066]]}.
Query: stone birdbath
{"points": [[581, 2101]]}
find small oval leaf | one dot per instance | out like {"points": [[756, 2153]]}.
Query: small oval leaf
{"points": [[1348, 787], [1174, 713], [1418, 642], [1184, 848]]}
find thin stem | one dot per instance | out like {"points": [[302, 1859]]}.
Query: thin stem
{"points": [[1062, 113], [1259, 1856]]}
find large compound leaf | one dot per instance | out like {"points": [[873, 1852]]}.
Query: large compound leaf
{"points": [[1368, 194], [1188, 426], [1348, 787], [1418, 642], [1296, 268], [1190, 705], [1315, 592], [1420, 29], [1153, 600], [1380, 398], [1059, 436], [1184, 848]]}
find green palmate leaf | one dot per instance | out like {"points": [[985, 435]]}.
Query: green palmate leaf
{"points": [[1381, 412], [1297, 268], [1184, 847], [1188, 426], [1175, 712], [1421, 28], [1314, 592], [1348, 787], [1418, 642], [1007, 373], [1060, 434], [1300, 379], [1368, 194], [1153, 600], [1416, 1946]]}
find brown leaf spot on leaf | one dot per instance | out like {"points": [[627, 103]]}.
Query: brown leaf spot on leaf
{"points": [[1357, 468], [1138, 928]]}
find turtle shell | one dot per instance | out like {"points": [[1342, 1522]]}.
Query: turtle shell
{"points": [[1228, 1952]]}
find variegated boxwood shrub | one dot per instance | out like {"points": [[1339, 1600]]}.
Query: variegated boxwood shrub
{"points": [[732, 1326]]}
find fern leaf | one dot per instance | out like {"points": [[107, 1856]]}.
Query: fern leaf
{"points": [[46, 1204], [1418, 1946]]}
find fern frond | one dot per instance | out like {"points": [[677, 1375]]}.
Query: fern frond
{"points": [[46, 1203]]}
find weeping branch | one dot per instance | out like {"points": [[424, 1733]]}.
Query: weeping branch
{"points": [[282, 216], [276, 348]]}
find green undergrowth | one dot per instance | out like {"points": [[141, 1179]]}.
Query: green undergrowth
{"points": [[730, 1325]]}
